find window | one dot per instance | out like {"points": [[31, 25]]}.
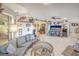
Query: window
{"points": [[20, 32]]}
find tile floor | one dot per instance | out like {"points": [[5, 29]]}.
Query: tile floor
{"points": [[59, 44]]}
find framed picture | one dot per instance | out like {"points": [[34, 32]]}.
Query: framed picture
{"points": [[74, 24]]}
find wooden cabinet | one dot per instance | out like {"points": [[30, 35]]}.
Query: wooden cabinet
{"points": [[40, 27]]}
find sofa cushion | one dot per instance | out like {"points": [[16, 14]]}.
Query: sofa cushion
{"points": [[30, 37], [27, 44], [20, 41], [3, 48], [21, 50], [33, 37]]}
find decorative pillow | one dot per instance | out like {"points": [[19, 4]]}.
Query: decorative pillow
{"points": [[11, 49]]}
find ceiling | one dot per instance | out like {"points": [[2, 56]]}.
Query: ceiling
{"points": [[43, 11]]}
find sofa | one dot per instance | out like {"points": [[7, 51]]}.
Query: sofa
{"points": [[18, 46], [5, 49]]}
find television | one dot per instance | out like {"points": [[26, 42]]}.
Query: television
{"points": [[55, 26]]}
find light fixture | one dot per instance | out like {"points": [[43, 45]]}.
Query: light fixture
{"points": [[45, 3]]}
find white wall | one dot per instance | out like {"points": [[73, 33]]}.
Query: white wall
{"points": [[42, 11], [25, 30], [72, 28]]}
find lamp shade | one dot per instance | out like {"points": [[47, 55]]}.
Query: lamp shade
{"points": [[13, 28]]}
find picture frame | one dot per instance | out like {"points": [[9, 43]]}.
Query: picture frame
{"points": [[74, 24]]}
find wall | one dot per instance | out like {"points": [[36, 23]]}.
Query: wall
{"points": [[25, 30], [73, 20]]}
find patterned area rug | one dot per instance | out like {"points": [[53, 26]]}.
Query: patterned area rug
{"points": [[42, 48]]}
